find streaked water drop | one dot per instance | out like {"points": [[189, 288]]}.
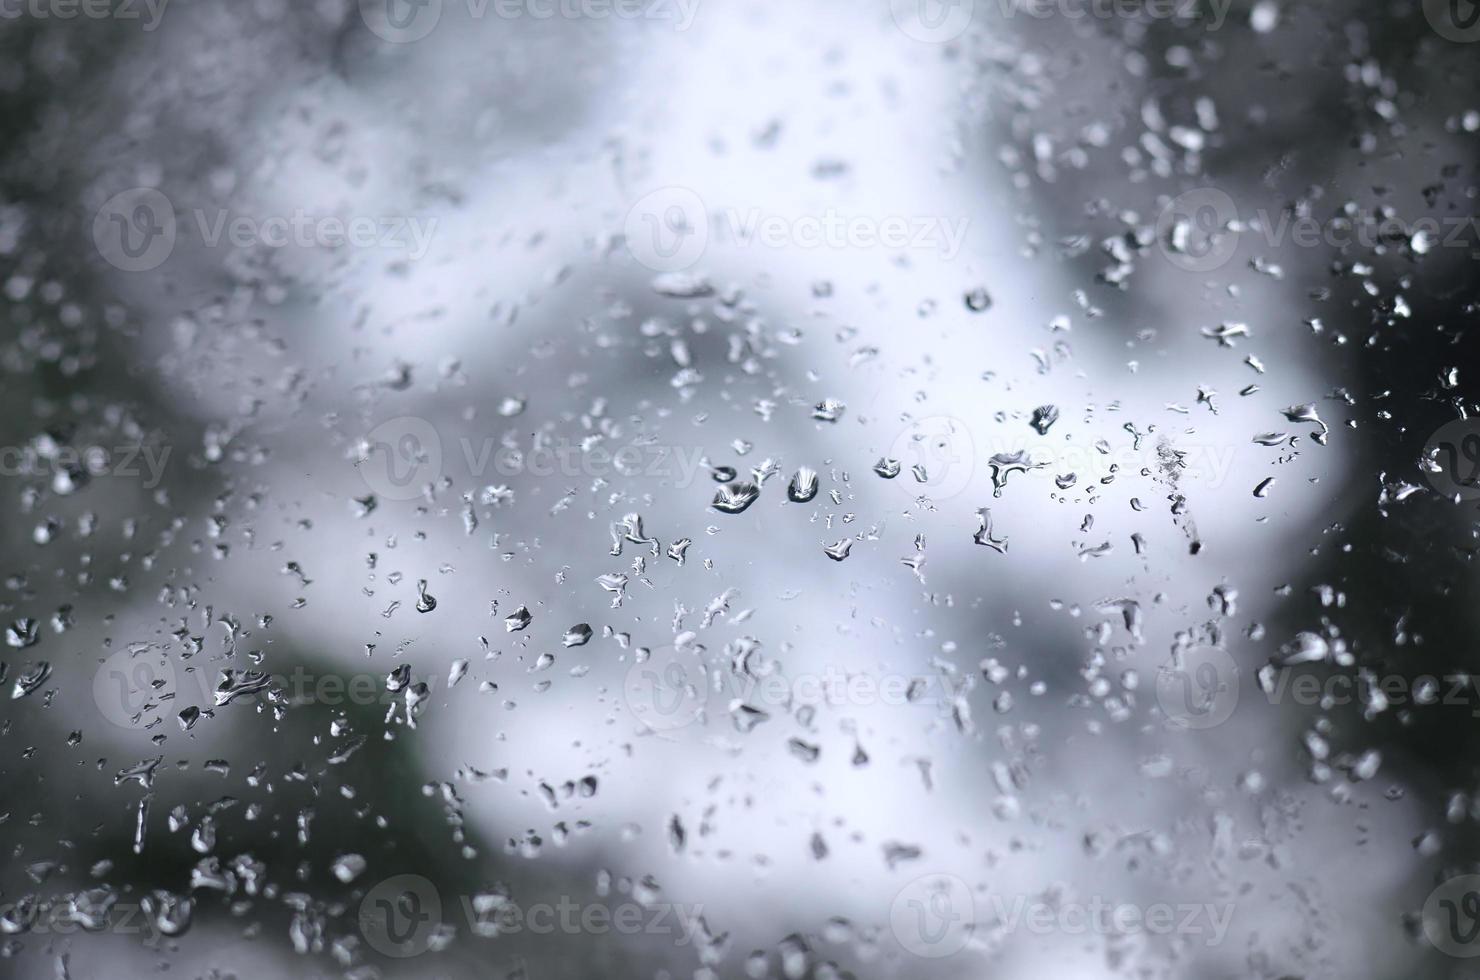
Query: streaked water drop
{"points": [[803, 485], [734, 498]]}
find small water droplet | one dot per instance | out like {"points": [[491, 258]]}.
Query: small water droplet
{"points": [[803, 486], [734, 498]]}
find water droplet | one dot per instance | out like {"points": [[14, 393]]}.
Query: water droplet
{"points": [[1044, 416], [734, 498], [30, 679], [518, 620], [983, 535], [803, 485], [839, 551], [1003, 465], [828, 410], [24, 632], [1305, 648], [238, 684]]}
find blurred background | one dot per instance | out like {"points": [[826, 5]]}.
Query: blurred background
{"points": [[728, 488]]}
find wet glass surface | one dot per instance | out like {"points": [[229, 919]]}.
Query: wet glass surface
{"points": [[739, 489]]}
